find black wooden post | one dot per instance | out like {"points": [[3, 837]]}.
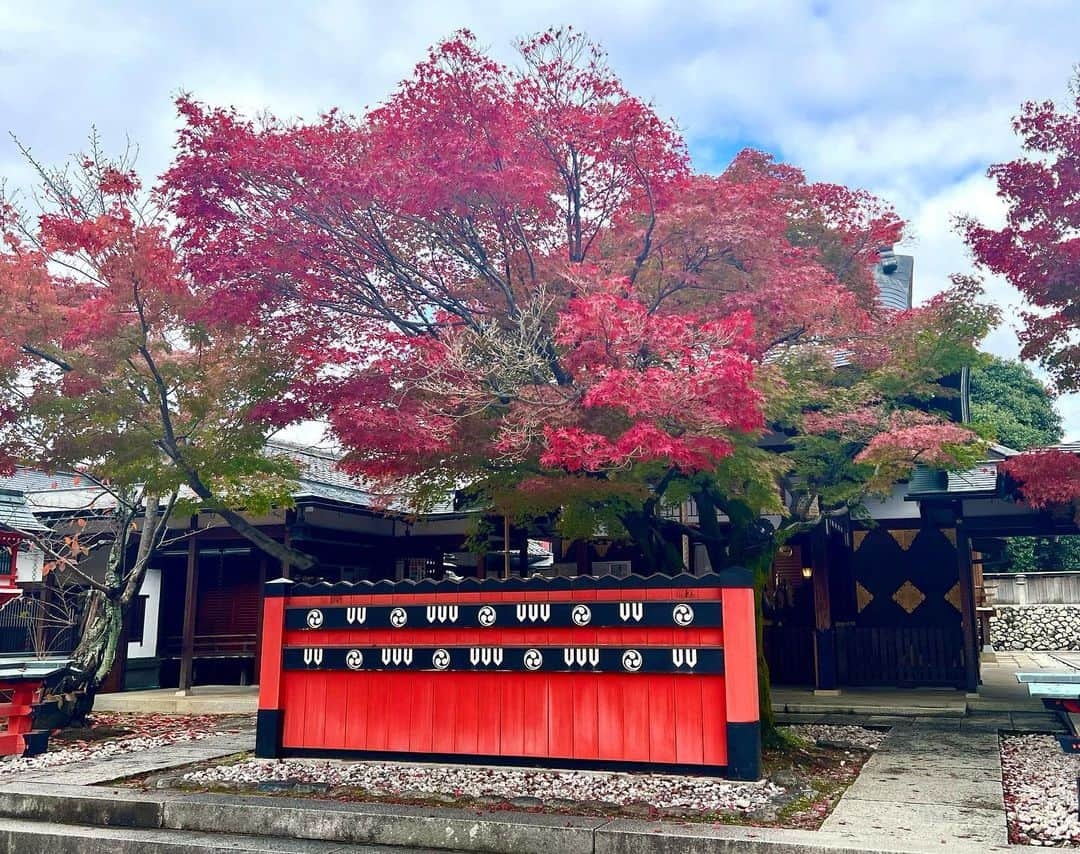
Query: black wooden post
{"points": [[967, 609], [191, 595], [824, 636]]}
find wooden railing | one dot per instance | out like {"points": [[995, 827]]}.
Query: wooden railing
{"points": [[213, 646]]}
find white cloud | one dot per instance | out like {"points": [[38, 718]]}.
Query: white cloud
{"points": [[912, 100]]}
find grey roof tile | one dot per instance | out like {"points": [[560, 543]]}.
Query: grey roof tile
{"points": [[15, 515]]}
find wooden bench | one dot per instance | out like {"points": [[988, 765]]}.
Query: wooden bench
{"points": [[1059, 692], [21, 681]]}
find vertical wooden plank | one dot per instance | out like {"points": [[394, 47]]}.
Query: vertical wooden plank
{"points": [[294, 704], [586, 732], [444, 715], [688, 720], [535, 718], [662, 726], [315, 709], [611, 727], [468, 715], [512, 717], [636, 722], [560, 687], [399, 718], [336, 704], [357, 712], [378, 711], [489, 713], [714, 721], [421, 712]]}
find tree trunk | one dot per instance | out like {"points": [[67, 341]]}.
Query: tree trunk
{"points": [[661, 555], [751, 546], [101, 624]]}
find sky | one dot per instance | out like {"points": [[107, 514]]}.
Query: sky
{"points": [[912, 100]]}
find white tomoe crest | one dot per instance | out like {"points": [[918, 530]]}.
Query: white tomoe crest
{"points": [[398, 617], [631, 660], [533, 659], [314, 618], [355, 615], [313, 656], [581, 615], [682, 614], [631, 611], [354, 659], [486, 616], [440, 659]]}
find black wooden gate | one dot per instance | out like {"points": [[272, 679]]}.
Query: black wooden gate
{"points": [[789, 650], [900, 656]]}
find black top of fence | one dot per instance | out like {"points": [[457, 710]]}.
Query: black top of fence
{"points": [[732, 577]]}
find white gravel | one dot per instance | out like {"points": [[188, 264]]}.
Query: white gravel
{"points": [[856, 736], [415, 781], [1040, 786]]}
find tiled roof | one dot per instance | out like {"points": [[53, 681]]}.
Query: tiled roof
{"points": [[15, 515], [895, 275], [928, 482]]}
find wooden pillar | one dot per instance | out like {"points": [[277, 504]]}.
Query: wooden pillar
{"points": [[259, 618], [967, 608], [286, 567], [191, 594], [506, 547], [584, 566], [824, 636]]}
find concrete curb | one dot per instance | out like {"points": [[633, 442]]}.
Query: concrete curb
{"points": [[263, 823]]}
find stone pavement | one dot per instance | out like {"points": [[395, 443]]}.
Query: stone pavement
{"points": [[200, 700], [95, 770], [934, 781]]}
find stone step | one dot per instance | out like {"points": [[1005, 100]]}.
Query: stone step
{"points": [[19, 836]]}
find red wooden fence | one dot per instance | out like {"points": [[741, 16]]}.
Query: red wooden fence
{"points": [[657, 672], [16, 712]]}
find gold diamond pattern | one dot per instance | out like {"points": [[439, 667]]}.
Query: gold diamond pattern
{"points": [[904, 538], [953, 596], [950, 535], [909, 597], [863, 597], [858, 537]]}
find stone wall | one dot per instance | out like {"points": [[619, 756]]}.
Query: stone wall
{"points": [[1039, 627]]}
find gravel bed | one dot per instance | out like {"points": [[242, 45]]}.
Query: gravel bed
{"points": [[839, 735], [1039, 780], [419, 782], [144, 732], [530, 788]]}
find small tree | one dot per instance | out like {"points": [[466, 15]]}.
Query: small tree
{"points": [[107, 371]]}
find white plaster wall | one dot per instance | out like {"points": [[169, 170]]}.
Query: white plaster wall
{"points": [[151, 588], [895, 506]]}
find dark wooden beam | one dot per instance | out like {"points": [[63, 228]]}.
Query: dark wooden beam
{"points": [[191, 595], [824, 636], [968, 616]]}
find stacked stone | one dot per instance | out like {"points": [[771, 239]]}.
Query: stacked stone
{"points": [[1036, 627]]}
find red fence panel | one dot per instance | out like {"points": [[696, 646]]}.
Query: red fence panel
{"points": [[650, 672]]}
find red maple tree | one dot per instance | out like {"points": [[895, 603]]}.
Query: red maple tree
{"points": [[1038, 252], [516, 269]]}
